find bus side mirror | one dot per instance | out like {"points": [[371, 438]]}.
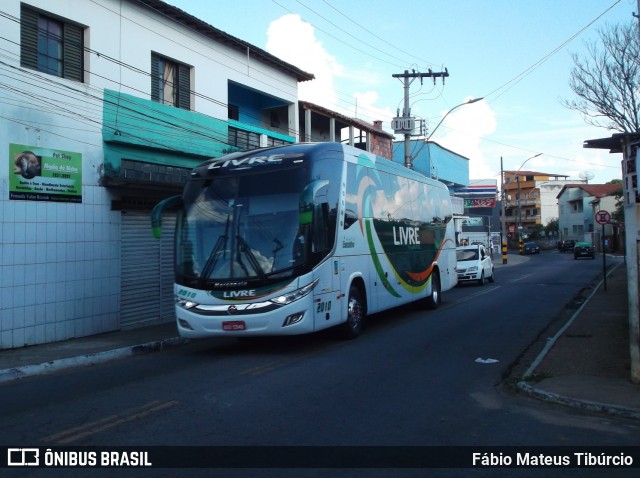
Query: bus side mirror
{"points": [[305, 201], [156, 214]]}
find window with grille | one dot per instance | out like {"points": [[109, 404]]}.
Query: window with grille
{"points": [[244, 140], [275, 142], [170, 82], [51, 44]]}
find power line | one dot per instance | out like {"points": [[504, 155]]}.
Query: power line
{"points": [[115, 61], [392, 55], [512, 82], [266, 73], [373, 34], [339, 40]]}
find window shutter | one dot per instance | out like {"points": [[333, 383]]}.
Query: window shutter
{"points": [[155, 68], [184, 87], [28, 38], [73, 53]]}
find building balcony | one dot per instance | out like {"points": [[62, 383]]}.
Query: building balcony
{"points": [[533, 218]]}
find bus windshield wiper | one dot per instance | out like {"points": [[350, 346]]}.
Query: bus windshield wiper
{"points": [[221, 243], [244, 247], [213, 259]]}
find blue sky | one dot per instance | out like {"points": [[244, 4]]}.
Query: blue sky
{"points": [[514, 53]]}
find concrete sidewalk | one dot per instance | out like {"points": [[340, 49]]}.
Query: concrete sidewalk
{"points": [[48, 358], [584, 363]]}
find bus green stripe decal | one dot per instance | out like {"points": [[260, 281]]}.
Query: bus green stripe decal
{"points": [[376, 262]]}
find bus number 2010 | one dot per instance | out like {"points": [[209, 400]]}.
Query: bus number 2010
{"points": [[323, 307]]}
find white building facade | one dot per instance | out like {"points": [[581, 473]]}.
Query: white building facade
{"points": [[577, 205], [106, 105]]}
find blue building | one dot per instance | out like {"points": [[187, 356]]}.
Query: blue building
{"points": [[437, 162]]}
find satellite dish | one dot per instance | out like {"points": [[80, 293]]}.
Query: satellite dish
{"points": [[587, 175]]}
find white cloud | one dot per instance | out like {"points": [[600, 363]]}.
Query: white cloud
{"points": [[295, 42], [462, 131], [475, 131]]}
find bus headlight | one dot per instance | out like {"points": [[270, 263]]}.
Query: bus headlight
{"points": [[186, 304], [294, 295]]}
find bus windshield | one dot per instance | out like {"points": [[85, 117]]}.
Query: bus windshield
{"points": [[242, 227]]}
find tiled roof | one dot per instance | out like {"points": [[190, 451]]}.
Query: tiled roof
{"points": [[595, 190]]}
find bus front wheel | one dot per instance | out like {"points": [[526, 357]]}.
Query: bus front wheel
{"points": [[434, 299], [355, 314]]}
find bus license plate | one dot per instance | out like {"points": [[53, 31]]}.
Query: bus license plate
{"points": [[234, 325]]}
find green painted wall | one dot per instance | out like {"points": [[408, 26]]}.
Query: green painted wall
{"points": [[135, 121], [144, 130]]}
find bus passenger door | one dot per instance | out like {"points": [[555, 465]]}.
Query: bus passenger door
{"points": [[327, 299]]}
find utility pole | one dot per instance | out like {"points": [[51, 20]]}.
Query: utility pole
{"points": [[406, 123], [503, 224]]}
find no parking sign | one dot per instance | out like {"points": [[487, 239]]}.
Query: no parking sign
{"points": [[603, 217]]}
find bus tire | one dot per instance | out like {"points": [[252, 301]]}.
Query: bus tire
{"points": [[356, 311], [435, 298]]}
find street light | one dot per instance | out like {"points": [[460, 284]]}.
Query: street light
{"points": [[472, 100], [408, 158], [525, 161]]}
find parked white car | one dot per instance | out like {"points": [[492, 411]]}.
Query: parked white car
{"points": [[474, 264]]}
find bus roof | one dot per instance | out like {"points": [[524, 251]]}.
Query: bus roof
{"points": [[323, 149]]}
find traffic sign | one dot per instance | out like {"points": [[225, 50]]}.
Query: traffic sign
{"points": [[603, 217]]}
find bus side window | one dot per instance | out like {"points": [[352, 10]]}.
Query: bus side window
{"points": [[321, 229], [350, 217], [351, 197]]}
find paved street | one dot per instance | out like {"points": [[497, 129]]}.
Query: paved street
{"points": [[414, 378]]}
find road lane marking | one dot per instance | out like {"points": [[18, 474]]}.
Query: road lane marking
{"points": [[467, 298], [74, 434], [268, 367], [523, 277]]}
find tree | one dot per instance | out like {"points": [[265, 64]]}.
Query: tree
{"points": [[606, 81], [536, 231], [553, 227]]}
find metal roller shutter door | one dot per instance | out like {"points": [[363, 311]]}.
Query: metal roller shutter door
{"points": [[146, 291]]}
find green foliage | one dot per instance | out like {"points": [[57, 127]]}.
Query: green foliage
{"points": [[536, 231], [552, 227], [618, 213]]}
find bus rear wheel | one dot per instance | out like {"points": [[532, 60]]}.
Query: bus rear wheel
{"points": [[355, 314], [434, 299]]}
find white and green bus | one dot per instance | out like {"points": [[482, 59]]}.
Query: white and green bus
{"points": [[295, 239]]}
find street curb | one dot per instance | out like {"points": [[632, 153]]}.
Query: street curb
{"points": [[586, 405], [17, 373]]}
